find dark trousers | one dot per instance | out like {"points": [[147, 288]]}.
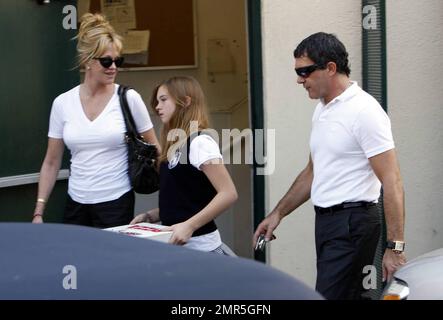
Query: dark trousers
{"points": [[101, 215], [346, 242]]}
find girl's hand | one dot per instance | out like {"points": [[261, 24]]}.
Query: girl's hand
{"points": [[181, 233], [143, 217], [152, 216]]}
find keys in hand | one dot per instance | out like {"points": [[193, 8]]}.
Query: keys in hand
{"points": [[261, 242]]}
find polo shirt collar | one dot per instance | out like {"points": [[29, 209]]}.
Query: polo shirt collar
{"points": [[345, 95]]}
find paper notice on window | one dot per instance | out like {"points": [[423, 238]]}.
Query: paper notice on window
{"points": [[135, 47], [120, 13], [136, 41]]}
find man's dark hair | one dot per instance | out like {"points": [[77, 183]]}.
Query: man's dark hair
{"points": [[322, 48]]}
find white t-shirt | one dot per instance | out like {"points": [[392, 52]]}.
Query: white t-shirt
{"points": [[346, 132], [202, 149], [99, 163]]}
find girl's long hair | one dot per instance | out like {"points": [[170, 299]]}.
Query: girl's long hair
{"points": [[181, 89]]}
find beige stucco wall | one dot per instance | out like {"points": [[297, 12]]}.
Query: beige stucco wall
{"points": [[415, 95], [288, 109]]}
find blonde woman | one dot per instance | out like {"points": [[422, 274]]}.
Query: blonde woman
{"points": [[195, 186], [89, 121]]}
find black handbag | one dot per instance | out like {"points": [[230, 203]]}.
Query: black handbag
{"points": [[142, 156]]}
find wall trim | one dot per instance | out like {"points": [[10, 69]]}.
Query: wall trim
{"points": [[19, 180], [375, 83], [374, 55], [256, 105]]}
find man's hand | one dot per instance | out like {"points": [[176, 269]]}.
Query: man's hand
{"points": [[391, 262], [267, 227]]}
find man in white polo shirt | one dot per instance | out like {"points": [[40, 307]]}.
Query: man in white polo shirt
{"points": [[352, 156]]}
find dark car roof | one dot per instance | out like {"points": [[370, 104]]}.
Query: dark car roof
{"points": [[113, 266]]}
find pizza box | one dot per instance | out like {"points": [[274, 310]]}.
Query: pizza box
{"points": [[143, 230]]}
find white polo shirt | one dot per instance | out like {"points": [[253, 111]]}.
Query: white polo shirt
{"points": [[346, 132], [99, 160]]}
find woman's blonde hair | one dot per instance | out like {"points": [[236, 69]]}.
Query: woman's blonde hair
{"points": [[94, 37], [190, 106]]}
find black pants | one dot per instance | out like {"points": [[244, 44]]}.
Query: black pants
{"points": [[346, 242], [101, 215]]}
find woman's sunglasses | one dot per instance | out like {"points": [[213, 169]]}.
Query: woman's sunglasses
{"points": [[106, 62], [304, 72]]}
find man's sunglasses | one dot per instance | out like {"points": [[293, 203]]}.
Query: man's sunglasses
{"points": [[106, 62], [304, 72]]}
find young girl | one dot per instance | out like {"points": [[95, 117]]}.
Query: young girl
{"points": [[195, 186]]}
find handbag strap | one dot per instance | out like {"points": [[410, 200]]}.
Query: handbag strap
{"points": [[129, 120]]}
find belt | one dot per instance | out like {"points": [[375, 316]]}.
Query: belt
{"points": [[343, 206]]}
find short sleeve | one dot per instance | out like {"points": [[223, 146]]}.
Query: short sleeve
{"points": [[56, 121], [202, 149], [139, 111], [372, 130]]}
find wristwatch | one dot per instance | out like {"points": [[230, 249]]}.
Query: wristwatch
{"points": [[396, 246]]}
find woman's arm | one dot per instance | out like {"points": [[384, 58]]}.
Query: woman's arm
{"points": [[150, 137], [225, 197], [48, 176]]}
